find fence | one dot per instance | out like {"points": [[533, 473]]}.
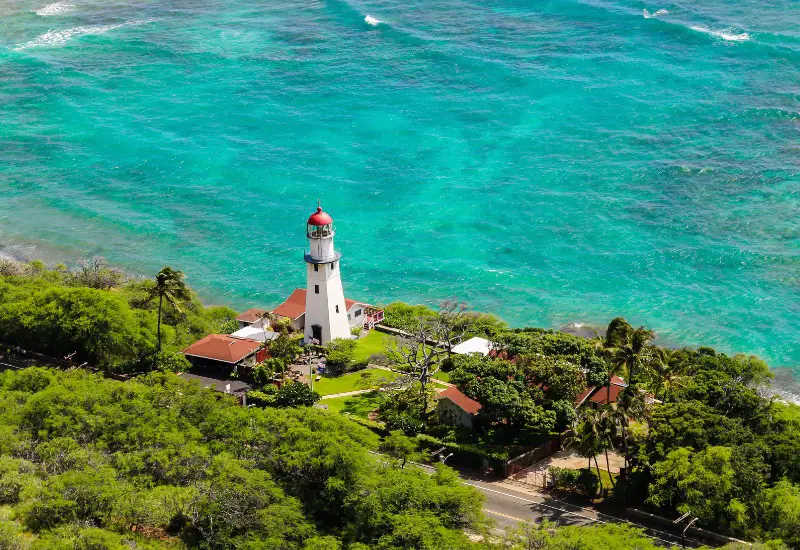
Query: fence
{"points": [[523, 461]]}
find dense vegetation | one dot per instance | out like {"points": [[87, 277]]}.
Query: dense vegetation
{"points": [[104, 318], [167, 464], [158, 463]]}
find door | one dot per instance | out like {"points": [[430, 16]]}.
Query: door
{"points": [[316, 333]]}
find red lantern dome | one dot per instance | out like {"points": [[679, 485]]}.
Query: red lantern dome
{"points": [[320, 218]]}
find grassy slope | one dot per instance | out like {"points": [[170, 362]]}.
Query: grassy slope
{"points": [[357, 405], [374, 342], [361, 380]]}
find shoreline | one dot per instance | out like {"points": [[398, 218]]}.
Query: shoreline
{"points": [[786, 384]]}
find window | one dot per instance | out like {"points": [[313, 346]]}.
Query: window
{"points": [[316, 289], [337, 308], [348, 316], [358, 313], [316, 267], [333, 266]]}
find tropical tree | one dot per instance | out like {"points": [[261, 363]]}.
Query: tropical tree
{"points": [[668, 371], [589, 437], [168, 286], [428, 339], [628, 349]]}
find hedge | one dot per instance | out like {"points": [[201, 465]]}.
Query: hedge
{"points": [[465, 454], [583, 482], [377, 427]]}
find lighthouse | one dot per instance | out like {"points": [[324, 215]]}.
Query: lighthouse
{"points": [[326, 312]]}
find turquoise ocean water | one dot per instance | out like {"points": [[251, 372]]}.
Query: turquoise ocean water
{"points": [[550, 161]]}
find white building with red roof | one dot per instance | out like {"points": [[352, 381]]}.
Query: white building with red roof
{"points": [[294, 309]]}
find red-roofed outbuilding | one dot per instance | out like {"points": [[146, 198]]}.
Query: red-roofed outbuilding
{"points": [[221, 349], [456, 408]]}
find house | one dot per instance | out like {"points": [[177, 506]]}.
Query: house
{"points": [[473, 345], [253, 317], [596, 396], [255, 333], [223, 350], [359, 314], [236, 388], [457, 409]]}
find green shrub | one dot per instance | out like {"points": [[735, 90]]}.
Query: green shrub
{"points": [[588, 483], [584, 481], [340, 354], [471, 456], [377, 427], [263, 398], [296, 394]]}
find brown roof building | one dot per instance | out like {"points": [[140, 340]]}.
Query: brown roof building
{"points": [[221, 348], [251, 315], [457, 409], [602, 395]]}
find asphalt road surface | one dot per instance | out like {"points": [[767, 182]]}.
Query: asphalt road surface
{"points": [[509, 507]]}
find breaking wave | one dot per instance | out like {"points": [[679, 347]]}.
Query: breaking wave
{"points": [[369, 20], [57, 38], [659, 13], [54, 9], [725, 35]]}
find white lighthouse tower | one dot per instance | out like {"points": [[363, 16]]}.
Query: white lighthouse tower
{"points": [[326, 313]]}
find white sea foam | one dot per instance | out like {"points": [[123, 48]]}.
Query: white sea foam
{"points": [[369, 20], [57, 38], [659, 13], [54, 9], [725, 35]]}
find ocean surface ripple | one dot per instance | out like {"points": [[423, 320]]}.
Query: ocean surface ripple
{"points": [[550, 162]]}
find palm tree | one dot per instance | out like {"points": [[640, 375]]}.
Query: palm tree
{"points": [[168, 286], [589, 437], [629, 352], [607, 426], [669, 371], [628, 348]]}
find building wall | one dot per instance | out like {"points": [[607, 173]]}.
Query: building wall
{"points": [[452, 414], [356, 320], [324, 295]]}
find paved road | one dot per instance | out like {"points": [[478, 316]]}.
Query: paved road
{"points": [[509, 507]]}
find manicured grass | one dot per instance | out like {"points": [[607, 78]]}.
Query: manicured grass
{"points": [[374, 342], [361, 380], [357, 405], [605, 477], [443, 376]]}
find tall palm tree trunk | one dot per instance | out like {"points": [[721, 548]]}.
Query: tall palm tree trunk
{"points": [[597, 466], [158, 330], [608, 467]]}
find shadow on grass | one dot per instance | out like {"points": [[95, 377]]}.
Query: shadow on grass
{"points": [[361, 405]]}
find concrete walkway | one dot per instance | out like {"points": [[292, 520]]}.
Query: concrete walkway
{"points": [[347, 393], [373, 366]]}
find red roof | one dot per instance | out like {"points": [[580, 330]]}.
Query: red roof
{"points": [[464, 403], [295, 305], [224, 348], [320, 218], [601, 394], [251, 315], [583, 395], [607, 394]]}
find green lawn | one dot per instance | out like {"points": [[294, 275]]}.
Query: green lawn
{"points": [[361, 380], [357, 405], [605, 478], [443, 376], [374, 342]]}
